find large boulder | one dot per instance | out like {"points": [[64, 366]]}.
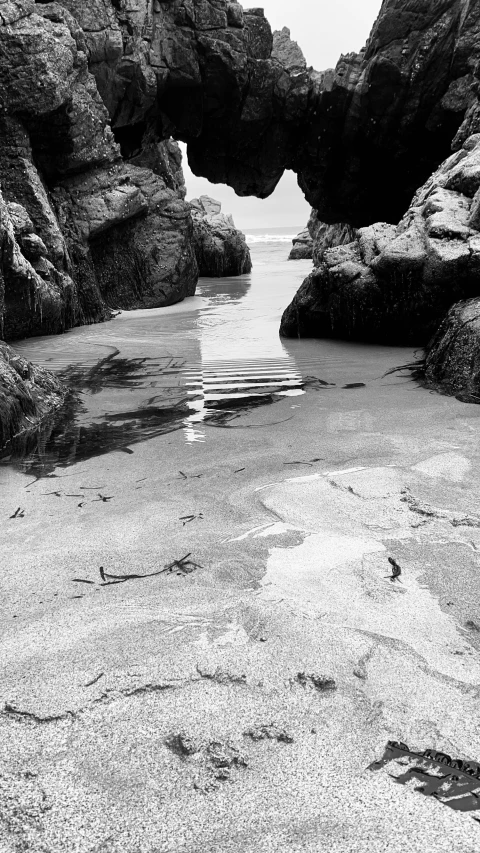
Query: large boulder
{"points": [[453, 358], [27, 394], [220, 249], [302, 248], [394, 284]]}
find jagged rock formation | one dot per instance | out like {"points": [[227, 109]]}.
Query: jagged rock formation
{"points": [[220, 249], [27, 394], [93, 91], [326, 236], [107, 233], [453, 360], [384, 119], [318, 236], [394, 284], [213, 74], [302, 248]]}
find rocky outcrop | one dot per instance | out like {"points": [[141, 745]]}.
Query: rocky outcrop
{"points": [[453, 359], [94, 91], [302, 248], [27, 394], [326, 236], [381, 122], [220, 249], [93, 232], [288, 52], [394, 284], [317, 237]]}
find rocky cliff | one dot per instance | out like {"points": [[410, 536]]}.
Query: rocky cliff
{"points": [[94, 90], [395, 284], [397, 110], [220, 248], [94, 93]]}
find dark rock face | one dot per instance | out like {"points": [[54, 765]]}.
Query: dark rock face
{"points": [[394, 284], [326, 236], [314, 241], [392, 111], [27, 394], [302, 248], [453, 360], [90, 232], [93, 93], [220, 249]]}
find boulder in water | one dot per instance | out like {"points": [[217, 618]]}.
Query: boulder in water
{"points": [[302, 248], [220, 249]]}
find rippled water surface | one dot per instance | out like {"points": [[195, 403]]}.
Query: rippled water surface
{"points": [[198, 364]]}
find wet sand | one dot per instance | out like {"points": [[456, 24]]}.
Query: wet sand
{"points": [[191, 712]]}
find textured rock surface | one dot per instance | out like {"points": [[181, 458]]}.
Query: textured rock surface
{"points": [[27, 394], [106, 233], [394, 284], [220, 249], [314, 241], [384, 119], [326, 236], [302, 248], [35, 297], [453, 360]]}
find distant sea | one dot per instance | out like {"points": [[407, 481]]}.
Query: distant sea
{"points": [[270, 234]]}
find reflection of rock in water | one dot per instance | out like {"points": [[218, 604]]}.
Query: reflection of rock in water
{"points": [[63, 441], [69, 436], [73, 434], [232, 289]]}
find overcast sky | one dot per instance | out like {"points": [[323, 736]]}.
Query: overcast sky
{"points": [[324, 29]]}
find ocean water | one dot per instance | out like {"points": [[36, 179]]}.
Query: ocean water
{"points": [[207, 360]]}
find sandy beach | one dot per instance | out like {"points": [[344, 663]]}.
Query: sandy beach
{"points": [[237, 704]]}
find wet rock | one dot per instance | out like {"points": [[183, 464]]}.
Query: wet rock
{"points": [[302, 248], [394, 284], [453, 358], [135, 231], [220, 249], [327, 236], [35, 297], [27, 394], [86, 83], [56, 149]]}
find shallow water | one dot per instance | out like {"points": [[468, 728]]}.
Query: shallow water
{"points": [[207, 360]]}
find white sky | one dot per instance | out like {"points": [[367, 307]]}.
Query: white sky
{"points": [[324, 29]]}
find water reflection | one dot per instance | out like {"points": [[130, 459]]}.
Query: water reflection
{"points": [[205, 362]]}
